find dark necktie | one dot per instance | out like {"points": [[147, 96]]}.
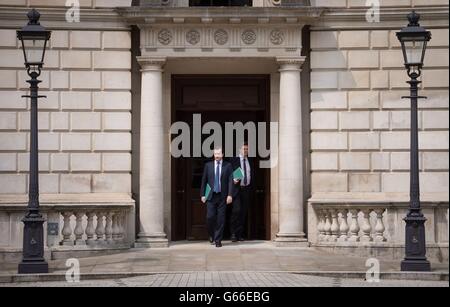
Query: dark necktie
{"points": [[217, 179], [245, 172]]}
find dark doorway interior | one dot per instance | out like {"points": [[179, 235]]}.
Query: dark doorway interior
{"points": [[218, 98]]}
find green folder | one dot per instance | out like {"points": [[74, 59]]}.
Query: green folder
{"points": [[238, 174], [208, 190]]}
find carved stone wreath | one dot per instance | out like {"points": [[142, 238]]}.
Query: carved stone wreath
{"points": [[193, 37], [221, 37], [277, 37], [165, 36], [249, 37]]}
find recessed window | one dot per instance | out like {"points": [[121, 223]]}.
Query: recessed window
{"points": [[220, 2]]}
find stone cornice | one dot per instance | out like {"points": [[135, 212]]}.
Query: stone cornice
{"points": [[55, 18], [64, 199], [140, 16], [391, 17], [319, 18], [375, 198]]}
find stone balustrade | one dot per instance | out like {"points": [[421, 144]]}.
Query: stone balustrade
{"points": [[77, 225], [354, 224], [94, 228], [371, 224]]}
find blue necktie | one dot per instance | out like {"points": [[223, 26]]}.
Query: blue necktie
{"points": [[217, 179]]}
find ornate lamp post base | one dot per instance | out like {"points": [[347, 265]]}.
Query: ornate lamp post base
{"points": [[33, 261], [415, 260]]}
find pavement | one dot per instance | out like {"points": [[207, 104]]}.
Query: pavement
{"points": [[256, 261], [233, 280]]}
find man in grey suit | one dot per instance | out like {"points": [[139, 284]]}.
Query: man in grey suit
{"points": [[218, 174]]}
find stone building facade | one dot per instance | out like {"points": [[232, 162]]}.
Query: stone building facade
{"points": [[334, 85]]}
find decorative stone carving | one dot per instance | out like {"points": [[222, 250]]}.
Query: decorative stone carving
{"points": [[249, 37], [165, 36], [193, 37], [277, 37], [221, 37]]}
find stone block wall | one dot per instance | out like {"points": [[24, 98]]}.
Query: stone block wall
{"points": [[360, 124], [85, 122]]}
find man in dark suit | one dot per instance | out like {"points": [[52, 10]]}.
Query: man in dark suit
{"points": [[219, 175], [242, 196]]}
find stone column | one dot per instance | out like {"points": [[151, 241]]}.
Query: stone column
{"points": [[151, 200], [291, 214]]}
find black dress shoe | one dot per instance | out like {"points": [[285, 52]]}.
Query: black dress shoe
{"points": [[218, 244], [211, 241], [234, 238]]}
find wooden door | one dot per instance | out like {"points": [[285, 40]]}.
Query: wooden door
{"points": [[219, 100]]}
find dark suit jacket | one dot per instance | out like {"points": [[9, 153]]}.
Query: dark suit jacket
{"points": [[226, 179], [236, 162]]}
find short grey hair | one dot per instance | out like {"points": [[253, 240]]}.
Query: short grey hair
{"points": [[218, 148]]}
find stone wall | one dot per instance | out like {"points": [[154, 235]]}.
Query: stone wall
{"points": [[360, 124], [85, 122], [360, 130]]}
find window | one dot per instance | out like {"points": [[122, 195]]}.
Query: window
{"points": [[220, 2]]}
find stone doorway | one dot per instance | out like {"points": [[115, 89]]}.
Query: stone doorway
{"points": [[218, 98]]}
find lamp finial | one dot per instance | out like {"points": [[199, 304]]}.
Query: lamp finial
{"points": [[34, 17], [413, 18]]}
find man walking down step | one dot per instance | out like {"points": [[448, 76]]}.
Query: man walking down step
{"points": [[216, 193]]}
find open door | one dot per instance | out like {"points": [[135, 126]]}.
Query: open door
{"points": [[218, 99]]}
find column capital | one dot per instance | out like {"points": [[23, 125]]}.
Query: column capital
{"points": [[290, 63], [151, 63]]}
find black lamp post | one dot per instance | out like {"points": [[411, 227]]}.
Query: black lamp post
{"points": [[34, 39], [414, 39]]}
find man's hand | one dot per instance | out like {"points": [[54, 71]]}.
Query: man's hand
{"points": [[229, 200], [204, 199], [236, 181]]}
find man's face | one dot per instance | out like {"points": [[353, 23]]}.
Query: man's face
{"points": [[244, 151], [218, 154]]}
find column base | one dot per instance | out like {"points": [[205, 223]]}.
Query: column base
{"points": [[152, 241], [291, 240]]}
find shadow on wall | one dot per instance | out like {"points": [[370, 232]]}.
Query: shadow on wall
{"points": [[331, 74]]}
